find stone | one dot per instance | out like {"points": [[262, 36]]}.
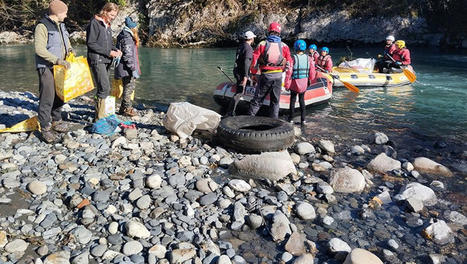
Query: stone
{"points": [[280, 226], [182, 255], [17, 245], [393, 244], [136, 229], [295, 158], [440, 232], [437, 258], [225, 162], [202, 185], [82, 258], [239, 185], [295, 244], [224, 259], [82, 234], [37, 187], [158, 251], [304, 259], [267, 165], [207, 199], [132, 247], [305, 211], [381, 138], [327, 146], [382, 163], [425, 165], [407, 166], [113, 228], [119, 141], [453, 216], [347, 180], [154, 181], [418, 191], [61, 257], [3, 239], [254, 221], [357, 150], [110, 255], [327, 220], [99, 250], [303, 148], [337, 245], [324, 188], [362, 256], [144, 202], [414, 204]]}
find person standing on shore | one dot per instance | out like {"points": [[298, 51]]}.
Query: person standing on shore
{"points": [[51, 44], [273, 58], [303, 74], [128, 69], [324, 61], [241, 70], [101, 51]]}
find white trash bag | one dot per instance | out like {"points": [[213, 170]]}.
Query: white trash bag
{"points": [[183, 118], [363, 65]]}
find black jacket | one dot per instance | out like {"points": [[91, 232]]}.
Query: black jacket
{"points": [[129, 60], [243, 60], [99, 42]]}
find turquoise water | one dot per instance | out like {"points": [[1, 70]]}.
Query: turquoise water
{"points": [[434, 106]]}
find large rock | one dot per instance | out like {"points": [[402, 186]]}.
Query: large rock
{"points": [[440, 232], [305, 211], [382, 163], [337, 245], [347, 180], [295, 245], [425, 165], [327, 146], [418, 191], [362, 256], [280, 226], [17, 245], [61, 257], [268, 165], [303, 148]]}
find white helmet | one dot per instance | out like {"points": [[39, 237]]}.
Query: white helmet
{"points": [[249, 35], [390, 37]]}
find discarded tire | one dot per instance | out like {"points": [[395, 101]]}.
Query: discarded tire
{"points": [[253, 134]]}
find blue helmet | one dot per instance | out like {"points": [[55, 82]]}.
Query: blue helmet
{"points": [[299, 45], [313, 47], [325, 49]]}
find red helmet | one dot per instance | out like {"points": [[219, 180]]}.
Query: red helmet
{"points": [[274, 27]]}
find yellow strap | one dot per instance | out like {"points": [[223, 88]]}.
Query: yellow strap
{"points": [[272, 71]]}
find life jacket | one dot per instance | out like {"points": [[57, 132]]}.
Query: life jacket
{"points": [[402, 55], [272, 55], [389, 50], [314, 55], [301, 66], [57, 41], [322, 61]]}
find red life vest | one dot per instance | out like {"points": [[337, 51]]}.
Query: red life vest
{"points": [[402, 55], [323, 62], [272, 55]]}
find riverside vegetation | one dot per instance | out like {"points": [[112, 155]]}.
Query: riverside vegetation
{"points": [[145, 196]]}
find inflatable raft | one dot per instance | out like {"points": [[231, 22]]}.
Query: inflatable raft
{"points": [[316, 93], [374, 79]]}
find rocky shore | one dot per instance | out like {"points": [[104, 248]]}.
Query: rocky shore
{"points": [[146, 196]]}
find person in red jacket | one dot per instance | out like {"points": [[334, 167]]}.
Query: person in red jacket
{"points": [[313, 52], [324, 61], [401, 55], [272, 57], [303, 73]]}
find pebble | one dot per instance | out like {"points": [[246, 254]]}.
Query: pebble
{"points": [[132, 247], [154, 181], [37, 187], [158, 251], [305, 211], [136, 229], [239, 185], [17, 245], [303, 148], [381, 138]]}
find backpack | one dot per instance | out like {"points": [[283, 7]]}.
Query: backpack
{"points": [[272, 55]]}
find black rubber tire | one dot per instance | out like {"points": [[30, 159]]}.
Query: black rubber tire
{"points": [[255, 134]]}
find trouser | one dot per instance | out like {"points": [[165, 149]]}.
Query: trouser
{"points": [[129, 85], [269, 83], [301, 100], [50, 105], [238, 90], [382, 64], [100, 75]]}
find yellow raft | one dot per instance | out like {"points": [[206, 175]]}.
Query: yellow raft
{"points": [[374, 79]]}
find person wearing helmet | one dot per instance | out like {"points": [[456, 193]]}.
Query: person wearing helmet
{"points": [[303, 73], [401, 56], [324, 61], [313, 52], [241, 70], [272, 58], [389, 49]]}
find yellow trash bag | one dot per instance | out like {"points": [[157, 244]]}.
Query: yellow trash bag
{"points": [[75, 81], [117, 89], [27, 125]]}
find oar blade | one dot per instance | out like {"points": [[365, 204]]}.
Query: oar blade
{"points": [[351, 87], [410, 75]]}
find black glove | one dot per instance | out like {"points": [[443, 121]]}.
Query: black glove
{"points": [[64, 63]]}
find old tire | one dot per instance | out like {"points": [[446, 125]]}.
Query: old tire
{"points": [[254, 134]]}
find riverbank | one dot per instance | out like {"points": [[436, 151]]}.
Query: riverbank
{"points": [[148, 197]]}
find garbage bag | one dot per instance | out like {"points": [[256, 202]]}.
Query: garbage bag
{"points": [[363, 65], [108, 107], [183, 118], [106, 125], [27, 125], [75, 81], [117, 89]]}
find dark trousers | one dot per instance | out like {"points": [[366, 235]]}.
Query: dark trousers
{"points": [[239, 89], [383, 64], [50, 105], [129, 85], [268, 84], [101, 77], [301, 100]]}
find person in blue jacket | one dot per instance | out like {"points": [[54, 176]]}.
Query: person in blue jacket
{"points": [[128, 68]]}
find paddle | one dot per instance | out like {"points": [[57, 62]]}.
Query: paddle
{"points": [[410, 75], [237, 96], [347, 85]]}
